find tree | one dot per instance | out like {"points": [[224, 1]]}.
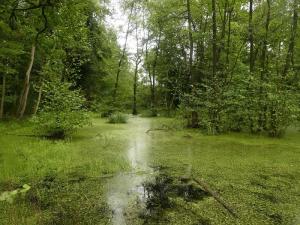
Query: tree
{"points": [[28, 6], [62, 112], [290, 53], [123, 54]]}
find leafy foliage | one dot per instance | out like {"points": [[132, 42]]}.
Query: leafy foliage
{"points": [[234, 71], [62, 112]]}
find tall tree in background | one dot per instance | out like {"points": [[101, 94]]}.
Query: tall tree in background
{"points": [[251, 38], [191, 41], [214, 39], [290, 52], [123, 54], [264, 67], [29, 7], [215, 59], [137, 59]]}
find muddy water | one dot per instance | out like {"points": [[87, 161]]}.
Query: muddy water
{"points": [[126, 191]]}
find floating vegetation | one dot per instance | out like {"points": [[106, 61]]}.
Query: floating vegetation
{"points": [[9, 196], [161, 195]]}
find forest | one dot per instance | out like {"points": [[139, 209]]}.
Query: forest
{"points": [[149, 112]]}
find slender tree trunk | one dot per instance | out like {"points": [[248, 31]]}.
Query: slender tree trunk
{"points": [[251, 39], [214, 110], [214, 30], [263, 61], [191, 42], [134, 106], [38, 101], [278, 71], [149, 68], [223, 30], [290, 53], [201, 47], [194, 115], [265, 42], [153, 86], [3, 96], [16, 94], [137, 63], [251, 63], [151, 78], [122, 56], [24, 96], [228, 37]]}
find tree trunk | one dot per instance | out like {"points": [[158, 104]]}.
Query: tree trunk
{"points": [[148, 67], [265, 42], [24, 96], [37, 104], [290, 53], [122, 56], [137, 63], [153, 86], [134, 106], [228, 37], [251, 39], [3, 96], [193, 121], [214, 29], [251, 62], [263, 61], [201, 48], [223, 30], [191, 42], [213, 111]]}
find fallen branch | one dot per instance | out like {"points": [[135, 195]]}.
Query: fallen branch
{"points": [[25, 135], [216, 196], [118, 174], [156, 129]]}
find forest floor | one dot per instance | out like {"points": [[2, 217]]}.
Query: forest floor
{"points": [[139, 173]]}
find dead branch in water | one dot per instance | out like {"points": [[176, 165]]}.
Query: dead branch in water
{"points": [[216, 196], [156, 129], [106, 176], [162, 128]]}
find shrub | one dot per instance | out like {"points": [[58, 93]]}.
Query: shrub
{"points": [[267, 107], [62, 111], [118, 118]]}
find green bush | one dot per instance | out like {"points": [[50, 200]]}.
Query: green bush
{"points": [[267, 107], [118, 118], [62, 111]]}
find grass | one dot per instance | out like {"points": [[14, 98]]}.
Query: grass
{"points": [[258, 176], [63, 174]]}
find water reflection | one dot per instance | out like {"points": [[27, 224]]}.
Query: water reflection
{"points": [[126, 191]]}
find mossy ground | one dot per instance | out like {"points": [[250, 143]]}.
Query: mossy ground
{"points": [[258, 176]]}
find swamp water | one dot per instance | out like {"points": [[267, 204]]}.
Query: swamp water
{"points": [[143, 194], [126, 192]]}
